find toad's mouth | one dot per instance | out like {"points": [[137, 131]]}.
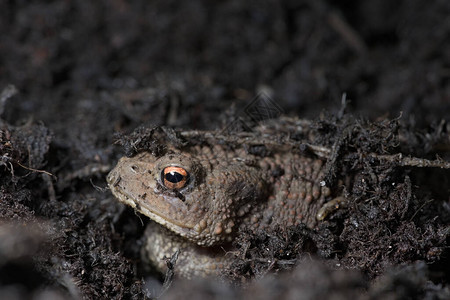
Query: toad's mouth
{"points": [[150, 211]]}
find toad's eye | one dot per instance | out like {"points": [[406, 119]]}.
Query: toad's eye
{"points": [[174, 178]]}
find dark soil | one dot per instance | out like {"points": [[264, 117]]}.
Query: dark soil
{"points": [[85, 71]]}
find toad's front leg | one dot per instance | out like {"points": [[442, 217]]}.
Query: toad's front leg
{"points": [[192, 261]]}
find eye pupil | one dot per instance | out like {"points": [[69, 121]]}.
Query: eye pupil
{"points": [[174, 178]]}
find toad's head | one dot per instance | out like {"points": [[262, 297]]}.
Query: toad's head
{"points": [[196, 199]]}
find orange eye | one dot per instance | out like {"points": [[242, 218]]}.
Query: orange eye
{"points": [[174, 177]]}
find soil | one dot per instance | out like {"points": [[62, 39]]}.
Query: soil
{"points": [[73, 74]]}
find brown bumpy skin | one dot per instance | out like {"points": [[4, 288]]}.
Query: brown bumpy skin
{"points": [[227, 190]]}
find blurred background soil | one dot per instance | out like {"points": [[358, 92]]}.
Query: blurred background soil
{"points": [[85, 70]]}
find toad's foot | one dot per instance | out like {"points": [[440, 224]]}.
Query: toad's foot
{"points": [[330, 207]]}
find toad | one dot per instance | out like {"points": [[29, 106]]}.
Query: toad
{"points": [[200, 196], [201, 189]]}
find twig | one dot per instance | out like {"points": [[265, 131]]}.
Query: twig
{"points": [[413, 161], [34, 170], [170, 272], [347, 33]]}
